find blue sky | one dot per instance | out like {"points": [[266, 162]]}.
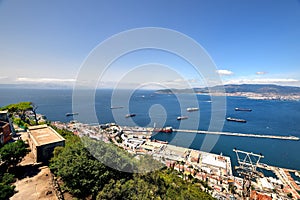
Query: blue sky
{"points": [[250, 41]]}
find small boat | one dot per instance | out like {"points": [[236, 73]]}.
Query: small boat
{"points": [[130, 115], [116, 107], [71, 114], [236, 120], [182, 117], [243, 109], [192, 109], [167, 129], [161, 142]]}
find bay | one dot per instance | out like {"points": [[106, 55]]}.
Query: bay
{"points": [[267, 117]]}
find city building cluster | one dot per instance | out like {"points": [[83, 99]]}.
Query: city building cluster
{"points": [[212, 170]]}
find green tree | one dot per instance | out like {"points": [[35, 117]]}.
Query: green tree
{"points": [[6, 191], [20, 110], [82, 174], [162, 184], [12, 153]]}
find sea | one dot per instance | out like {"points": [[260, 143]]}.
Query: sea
{"points": [[273, 117]]}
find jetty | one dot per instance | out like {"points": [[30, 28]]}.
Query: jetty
{"points": [[280, 137]]}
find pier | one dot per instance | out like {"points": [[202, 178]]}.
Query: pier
{"points": [[239, 134], [279, 137]]}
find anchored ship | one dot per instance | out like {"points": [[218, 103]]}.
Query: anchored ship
{"points": [[243, 109], [116, 107], [182, 117], [236, 120], [192, 109], [71, 114], [130, 115], [167, 129]]}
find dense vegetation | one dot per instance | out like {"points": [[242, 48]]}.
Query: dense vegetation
{"points": [[87, 177], [82, 174], [18, 113], [10, 155], [162, 184]]}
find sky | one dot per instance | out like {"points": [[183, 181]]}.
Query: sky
{"points": [[249, 41]]}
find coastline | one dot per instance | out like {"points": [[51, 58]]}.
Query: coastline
{"points": [[204, 166], [248, 95]]}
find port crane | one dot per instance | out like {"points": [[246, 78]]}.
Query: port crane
{"points": [[248, 163]]}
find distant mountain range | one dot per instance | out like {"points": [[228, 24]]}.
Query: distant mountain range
{"points": [[35, 86], [257, 91]]}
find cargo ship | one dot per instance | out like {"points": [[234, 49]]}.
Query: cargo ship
{"points": [[192, 109], [71, 114], [116, 107], [243, 109], [236, 120], [130, 115], [167, 129], [182, 117]]}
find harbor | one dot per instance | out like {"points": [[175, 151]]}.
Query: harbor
{"points": [[215, 170]]}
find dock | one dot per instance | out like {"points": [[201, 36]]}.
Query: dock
{"points": [[284, 176], [239, 134]]}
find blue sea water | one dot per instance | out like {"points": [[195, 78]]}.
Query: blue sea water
{"points": [[267, 117]]}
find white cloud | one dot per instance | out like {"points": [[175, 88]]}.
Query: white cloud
{"points": [[224, 72], [179, 83], [44, 80], [283, 81], [261, 73]]}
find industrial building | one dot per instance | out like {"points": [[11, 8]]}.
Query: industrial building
{"points": [[42, 141]]}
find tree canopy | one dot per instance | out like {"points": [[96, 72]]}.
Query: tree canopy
{"points": [[18, 113], [161, 184], [10, 155], [85, 176], [18, 107]]}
